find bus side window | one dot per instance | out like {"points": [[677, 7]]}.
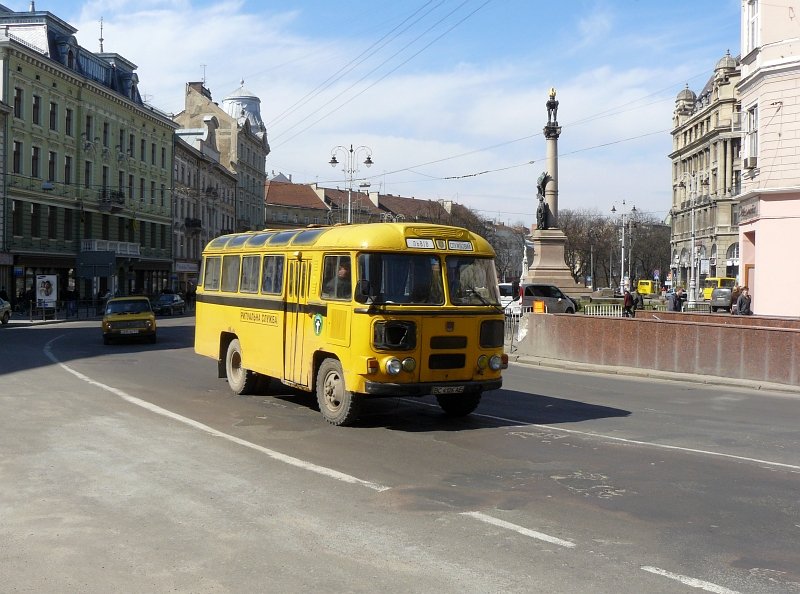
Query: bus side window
{"points": [[272, 278], [250, 270], [211, 274], [230, 273], [336, 280]]}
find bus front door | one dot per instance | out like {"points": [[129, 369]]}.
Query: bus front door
{"points": [[296, 323]]}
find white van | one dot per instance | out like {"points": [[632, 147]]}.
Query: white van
{"points": [[509, 298]]}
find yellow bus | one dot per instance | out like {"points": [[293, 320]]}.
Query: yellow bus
{"points": [[712, 282], [354, 311], [646, 287]]}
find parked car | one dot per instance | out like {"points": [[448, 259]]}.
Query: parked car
{"points": [[128, 317], [169, 303], [5, 311], [509, 298], [554, 299], [724, 298]]}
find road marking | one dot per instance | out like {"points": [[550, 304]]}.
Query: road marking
{"points": [[309, 466], [524, 531], [625, 440], [688, 581]]}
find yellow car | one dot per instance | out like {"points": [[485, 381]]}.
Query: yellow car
{"points": [[129, 317]]}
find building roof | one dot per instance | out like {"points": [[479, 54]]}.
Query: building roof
{"points": [[293, 195]]}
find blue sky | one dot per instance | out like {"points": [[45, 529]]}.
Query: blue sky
{"points": [[448, 94]]}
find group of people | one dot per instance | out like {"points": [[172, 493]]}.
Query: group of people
{"points": [[631, 301]]}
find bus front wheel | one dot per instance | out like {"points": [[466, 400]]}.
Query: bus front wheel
{"points": [[459, 405], [338, 405], [241, 380]]}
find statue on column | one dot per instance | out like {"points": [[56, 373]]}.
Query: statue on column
{"points": [[542, 211], [552, 108]]}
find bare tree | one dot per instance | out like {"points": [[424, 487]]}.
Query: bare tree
{"points": [[593, 246]]}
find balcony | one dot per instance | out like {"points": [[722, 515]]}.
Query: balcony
{"points": [[111, 200], [120, 248], [193, 224]]}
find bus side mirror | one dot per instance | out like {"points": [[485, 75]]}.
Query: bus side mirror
{"points": [[362, 291]]}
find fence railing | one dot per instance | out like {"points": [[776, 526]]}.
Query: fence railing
{"points": [[603, 309]]}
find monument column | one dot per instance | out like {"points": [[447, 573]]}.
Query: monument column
{"points": [[548, 265], [551, 133]]}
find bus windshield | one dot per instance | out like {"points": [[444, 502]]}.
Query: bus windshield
{"points": [[416, 279], [472, 281], [402, 278]]}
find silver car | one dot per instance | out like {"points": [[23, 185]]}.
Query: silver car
{"points": [[554, 299], [5, 311]]}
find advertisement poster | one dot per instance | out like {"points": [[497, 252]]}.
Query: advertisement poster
{"points": [[46, 290]]}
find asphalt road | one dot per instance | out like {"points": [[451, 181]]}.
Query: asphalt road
{"points": [[133, 468]]}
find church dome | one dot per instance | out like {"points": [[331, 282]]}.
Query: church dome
{"points": [[686, 95], [243, 104], [727, 62]]}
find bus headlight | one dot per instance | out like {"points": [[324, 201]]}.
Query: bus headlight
{"points": [[409, 364], [496, 363], [393, 366], [483, 362]]}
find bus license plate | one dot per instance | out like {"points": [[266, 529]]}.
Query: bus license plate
{"points": [[448, 389]]}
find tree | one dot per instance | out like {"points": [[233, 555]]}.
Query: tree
{"points": [[593, 245]]}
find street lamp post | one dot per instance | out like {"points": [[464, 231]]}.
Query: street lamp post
{"points": [[350, 168], [622, 251], [692, 195]]}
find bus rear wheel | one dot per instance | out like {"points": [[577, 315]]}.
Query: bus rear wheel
{"points": [[337, 405], [241, 380], [459, 405]]}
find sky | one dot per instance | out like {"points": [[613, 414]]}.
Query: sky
{"points": [[448, 95]]}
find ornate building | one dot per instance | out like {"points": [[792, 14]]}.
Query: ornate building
{"points": [[88, 164], [204, 199], [242, 143], [770, 200], [706, 178]]}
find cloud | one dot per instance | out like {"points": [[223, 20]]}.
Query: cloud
{"points": [[475, 117]]}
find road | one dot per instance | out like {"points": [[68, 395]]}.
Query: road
{"points": [[133, 468]]}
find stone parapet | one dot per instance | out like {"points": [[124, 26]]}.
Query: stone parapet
{"points": [[741, 347]]}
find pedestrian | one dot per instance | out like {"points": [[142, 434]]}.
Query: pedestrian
{"points": [[679, 299], [627, 305], [638, 300], [3, 294], [743, 303]]}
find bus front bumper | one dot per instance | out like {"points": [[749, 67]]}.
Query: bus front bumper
{"points": [[436, 388]]}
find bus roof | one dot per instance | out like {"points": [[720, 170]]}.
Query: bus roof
{"points": [[368, 236]]}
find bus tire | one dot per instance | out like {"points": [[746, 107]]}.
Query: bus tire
{"points": [[240, 380], [337, 405], [459, 405]]}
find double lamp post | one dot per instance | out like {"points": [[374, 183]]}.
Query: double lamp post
{"points": [[350, 168]]}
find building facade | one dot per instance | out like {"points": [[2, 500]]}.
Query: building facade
{"points": [[88, 164], [769, 212], [242, 143], [706, 179], [203, 202]]}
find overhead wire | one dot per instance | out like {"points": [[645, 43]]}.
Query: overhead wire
{"points": [[375, 82], [352, 64]]}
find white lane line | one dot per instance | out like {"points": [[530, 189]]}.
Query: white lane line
{"points": [[688, 581], [624, 440], [309, 466], [524, 531]]}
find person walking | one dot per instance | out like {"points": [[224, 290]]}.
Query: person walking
{"points": [[627, 305], [743, 303]]}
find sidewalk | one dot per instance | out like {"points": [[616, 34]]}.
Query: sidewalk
{"points": [[18, 320], [640, 373]]}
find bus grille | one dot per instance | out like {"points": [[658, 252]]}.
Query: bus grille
{"points": [[448, 342], [447, 361]]}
